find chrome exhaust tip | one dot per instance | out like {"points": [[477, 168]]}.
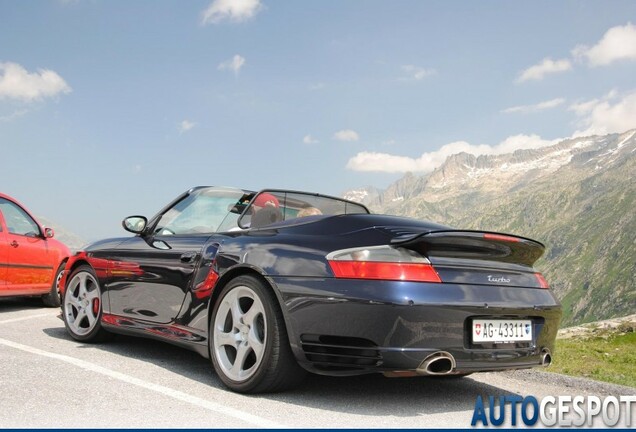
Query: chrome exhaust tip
{"points": [[546, 357], [439, 363]]}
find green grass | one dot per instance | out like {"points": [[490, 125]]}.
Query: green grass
{"points": [[609, 357]]}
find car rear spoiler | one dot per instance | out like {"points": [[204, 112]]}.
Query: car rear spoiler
{"points": [[446, 246]]}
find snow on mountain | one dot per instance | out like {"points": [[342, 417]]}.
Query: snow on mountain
{"points": [[577, 197], [463, 172], [364, 195]]}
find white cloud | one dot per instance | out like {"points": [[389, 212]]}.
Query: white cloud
{"points": [[186, 125], [382, 162], [231, 10], [346, 135], [418, 73], [525, 109], [618, 43], [582, 108], [610, 114], [427, 162], [518, 142], [17, 83], [14, 115], [308, 139], [234, 64], [547, 66]]}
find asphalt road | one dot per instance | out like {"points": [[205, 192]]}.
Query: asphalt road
{"points": [[49, 380]]}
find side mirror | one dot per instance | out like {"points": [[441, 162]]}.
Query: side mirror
{"points": [[135, 224], [49, 233]]}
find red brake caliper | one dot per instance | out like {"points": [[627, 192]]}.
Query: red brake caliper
{"points": [[95, 306]]}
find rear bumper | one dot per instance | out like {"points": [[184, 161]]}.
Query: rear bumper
{"points": [[346, 327]]}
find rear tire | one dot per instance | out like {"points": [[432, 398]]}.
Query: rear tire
{"points": [[53, 299], [82, 306], [248, 341]]}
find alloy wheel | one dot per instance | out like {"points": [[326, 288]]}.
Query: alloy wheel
{"points": [[240, 329], [82, 303]]}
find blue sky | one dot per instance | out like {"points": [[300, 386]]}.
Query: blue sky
{"points": [[111, 108]]}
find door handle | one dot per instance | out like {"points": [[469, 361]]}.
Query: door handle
{"points": [[188, 257], [14, 244]]}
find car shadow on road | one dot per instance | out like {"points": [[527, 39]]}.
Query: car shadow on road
{"points": [[368, 395], [14, 304], [376, 395]]}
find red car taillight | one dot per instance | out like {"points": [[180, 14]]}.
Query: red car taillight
{"points": [[382, 263], [542, 282]]}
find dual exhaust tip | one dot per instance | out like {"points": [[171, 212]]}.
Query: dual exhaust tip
{"points": [[443, 363]]}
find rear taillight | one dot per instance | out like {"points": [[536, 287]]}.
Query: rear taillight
{"points": [[382, 263], [542, 282]]}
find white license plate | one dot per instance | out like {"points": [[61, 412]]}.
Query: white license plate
{"points": [[502, 330]]}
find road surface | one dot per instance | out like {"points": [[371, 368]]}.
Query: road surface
{"points": [[49, 380]]}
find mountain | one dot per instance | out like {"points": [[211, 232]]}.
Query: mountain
{"points": [[364, 195], [72, 241], [578, 197]]}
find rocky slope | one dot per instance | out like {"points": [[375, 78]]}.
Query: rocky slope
{"points": [[578, 197], [72, 241]]}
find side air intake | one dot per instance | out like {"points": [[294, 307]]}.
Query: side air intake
{"points": [[340, 353]]}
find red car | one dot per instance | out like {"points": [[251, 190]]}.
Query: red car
{"points": [[31, 261]]}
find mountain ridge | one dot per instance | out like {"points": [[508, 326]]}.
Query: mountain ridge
{"points": [[71, 240], [577, 196]]}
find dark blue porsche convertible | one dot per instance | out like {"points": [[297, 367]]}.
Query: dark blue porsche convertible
{"points": [[273, 284]]}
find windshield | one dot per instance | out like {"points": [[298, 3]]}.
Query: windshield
{"points": [[204, 211]]}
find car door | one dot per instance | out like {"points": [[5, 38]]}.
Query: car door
{"points": [[29, 262], [4, 256], [150, 274]]}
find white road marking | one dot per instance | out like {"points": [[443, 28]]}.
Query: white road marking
{"points": [[27, 318], [166, 391]]}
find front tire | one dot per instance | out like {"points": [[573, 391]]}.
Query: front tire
{"points": [[249, 346], [82, 306]]}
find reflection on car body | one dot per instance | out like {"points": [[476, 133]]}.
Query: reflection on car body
{"points": [[342, 292]]}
